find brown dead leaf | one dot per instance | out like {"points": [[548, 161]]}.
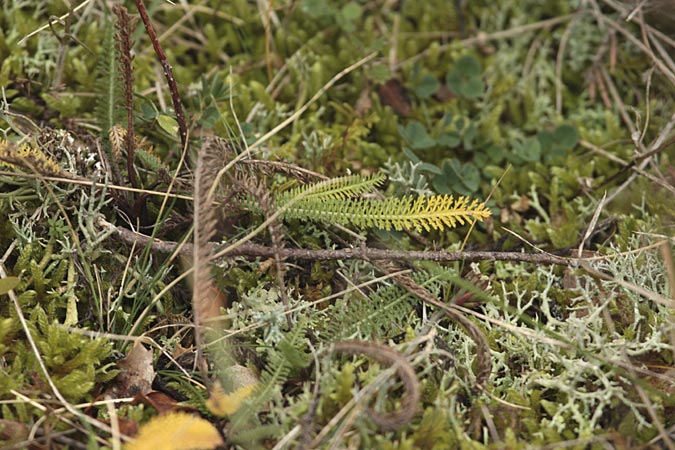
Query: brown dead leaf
{"points": [[179, 351], [364, 103], [11, 431], [522, 204], [162, 403], [214, 300], [128, 427], [393, 93], [136, 373], [444, 94]]}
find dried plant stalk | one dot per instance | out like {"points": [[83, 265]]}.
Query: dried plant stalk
{"points": [[205, 299], [125, 28]]}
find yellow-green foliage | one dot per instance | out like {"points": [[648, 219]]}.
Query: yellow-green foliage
{"points": [[332, 201], [75, 363], [334, 188], [72, 360], [28, 158], [108, 101], [435, 212]]}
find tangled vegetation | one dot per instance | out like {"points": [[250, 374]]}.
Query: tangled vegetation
{"points": [[337, 224]]}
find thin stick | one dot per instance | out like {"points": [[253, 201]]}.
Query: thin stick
{"points": [[45, 26], [665, 70], [125, 28], [367, 253], [72, 179]]}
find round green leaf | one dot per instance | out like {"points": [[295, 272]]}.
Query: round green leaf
{"points": [[461, 83], [495, 153], [529, 149], [351, 11], [449, 139], [168, 124], [468, 66], [430, 168], [426, 87], [416, 135], [467, 175], [566, 136], [410, 155], [473, 88]]}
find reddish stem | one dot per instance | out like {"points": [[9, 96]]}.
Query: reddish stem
{"points": [[168, 73]]}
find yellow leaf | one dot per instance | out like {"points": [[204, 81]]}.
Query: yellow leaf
{"points": [[176, 431], [71, 312], [222, 404], [168, 124]]}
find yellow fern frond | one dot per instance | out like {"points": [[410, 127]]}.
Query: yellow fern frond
{"points": [[420, 213], [28, 158]]}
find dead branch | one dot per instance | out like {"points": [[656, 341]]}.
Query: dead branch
{"points": [[366, 253]]}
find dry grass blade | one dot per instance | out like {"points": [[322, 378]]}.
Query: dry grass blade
{"points": [[483, 355], [386, 355]]}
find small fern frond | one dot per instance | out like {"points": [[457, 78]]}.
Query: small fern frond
{"points": [[109, 92], [382, 313], [150, 160], [424, 212], [332, 189], [290, 353]]}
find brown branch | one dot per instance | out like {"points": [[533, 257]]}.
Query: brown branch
{"points": [[168, 73], [375, 254]]}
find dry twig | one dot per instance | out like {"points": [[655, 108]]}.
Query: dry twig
{"points": [[365, 253]]}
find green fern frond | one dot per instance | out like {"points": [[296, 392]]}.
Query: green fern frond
{"points": [[332, 189], [109, 91], [337, 201], [383, 312], [150, 160], [424, 212], [290, 353]]}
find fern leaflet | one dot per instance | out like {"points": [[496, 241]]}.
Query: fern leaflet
{"points": [[333, 189]]}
